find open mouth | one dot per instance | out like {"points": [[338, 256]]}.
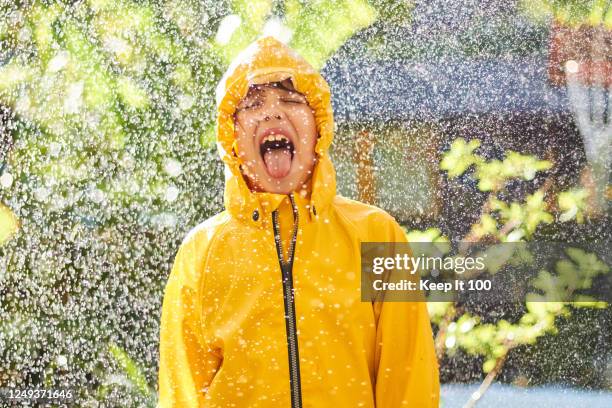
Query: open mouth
{"points": [[277, 153]]}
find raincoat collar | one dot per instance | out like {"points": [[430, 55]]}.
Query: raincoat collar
{"points": [[269, 60]]}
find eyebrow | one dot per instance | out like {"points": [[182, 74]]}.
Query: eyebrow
{"points": [[256, 93]]}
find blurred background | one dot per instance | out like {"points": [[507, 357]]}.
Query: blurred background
{"points": [[487, 121]]}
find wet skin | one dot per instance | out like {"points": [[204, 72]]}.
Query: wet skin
{"points": [[275, 135]]}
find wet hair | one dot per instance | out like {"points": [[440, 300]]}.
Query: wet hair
{"points": [[285, 85]]}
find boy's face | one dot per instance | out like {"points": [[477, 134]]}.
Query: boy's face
{"points": [[276, 134]]}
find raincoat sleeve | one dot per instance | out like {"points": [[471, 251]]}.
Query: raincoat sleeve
{"points": [[186, 365], [407, 368]]}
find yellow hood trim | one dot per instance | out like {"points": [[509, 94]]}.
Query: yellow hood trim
{"points": [[269, 60]]}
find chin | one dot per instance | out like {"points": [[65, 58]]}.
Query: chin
{"points": [[282, 187], [286, 185]]}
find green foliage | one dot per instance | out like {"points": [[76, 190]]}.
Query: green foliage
{"points": [[98, 80], [8, 224], [315, 29], [572, 275], [512, 221], [505, 221], [492, 175], [393, 12], [241, 27], [460, 157], [132, 371], [437, 310], [573, 204], [494, 340], [487, 225], [321, 27], [498, 256], [570, 12], [521, 218], [429, 235]]}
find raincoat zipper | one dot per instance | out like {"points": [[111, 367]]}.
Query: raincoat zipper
{"points": [[288, 296]]}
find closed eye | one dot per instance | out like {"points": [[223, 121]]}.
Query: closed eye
{"points": [[301, 102], [251, 106]]}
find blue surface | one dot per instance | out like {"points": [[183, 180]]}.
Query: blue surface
{"points": [[402, 90], [508, 396]]}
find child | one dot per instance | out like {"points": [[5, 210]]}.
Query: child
{"points": [[263, 307]]}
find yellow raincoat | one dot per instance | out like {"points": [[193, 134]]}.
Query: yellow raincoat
{"points": [[232, 334]]}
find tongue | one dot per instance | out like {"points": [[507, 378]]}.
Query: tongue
{"points": [[278, 162]]}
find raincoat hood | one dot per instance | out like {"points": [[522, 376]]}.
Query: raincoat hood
{"points": [[269, 60]]}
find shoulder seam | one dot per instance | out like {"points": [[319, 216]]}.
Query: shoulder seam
{"points": [[371, 206]]}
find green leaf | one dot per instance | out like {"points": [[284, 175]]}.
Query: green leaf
{"points": [[8, 224], [486, 226], [488, 365], [496, 256], [549, 285], [429, 235], [494, 174], [459, 157], [588, 263], [536, 214], [437, 310], [517, 165], [569, 12], [132, 370], [573, 204], [209, 136], [131, 93], [490, 175]]}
